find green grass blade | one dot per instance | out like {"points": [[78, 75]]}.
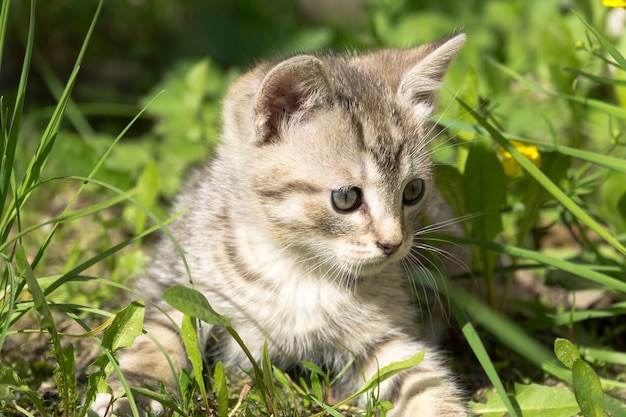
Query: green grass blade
{"points": [[74, 116], [8, 302], [66, 217], [92, 174], [580, 270], [602, 106], [548, 185], [595, 78], [4, 18], [64, 379], [617, 56], [9, 147], [613, 163], [38, 161], [511, 335], [459, 306]]}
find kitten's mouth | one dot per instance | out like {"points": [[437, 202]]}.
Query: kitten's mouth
{"points": [[375, 266]]}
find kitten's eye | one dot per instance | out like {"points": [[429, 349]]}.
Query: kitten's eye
{"points": [[346, 199], [413, 192]]}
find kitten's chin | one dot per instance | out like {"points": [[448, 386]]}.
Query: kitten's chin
{"points": [[365, 270]]}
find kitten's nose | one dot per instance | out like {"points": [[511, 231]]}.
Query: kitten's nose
{"points": [[388, 248]]}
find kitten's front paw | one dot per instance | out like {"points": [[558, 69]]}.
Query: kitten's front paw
{"points": [[101, 406], [104, 406]]}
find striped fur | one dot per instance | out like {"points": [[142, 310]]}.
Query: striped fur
{"points": [[269, 250]]}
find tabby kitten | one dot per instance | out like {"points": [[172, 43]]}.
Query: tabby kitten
{"points": [[301, 228]]}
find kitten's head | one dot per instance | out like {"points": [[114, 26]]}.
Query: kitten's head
{"points": [[332, 152]]}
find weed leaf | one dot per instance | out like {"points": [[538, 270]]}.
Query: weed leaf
{"points": [[193, 303], [531, 401], [566, 352], [190, 340], [125, 327], [587, 389], [221, 390]]}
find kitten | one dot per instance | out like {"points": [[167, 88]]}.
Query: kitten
{"points": [[302, 227]]}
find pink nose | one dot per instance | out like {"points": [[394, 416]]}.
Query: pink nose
{"points": [[388, 248]]}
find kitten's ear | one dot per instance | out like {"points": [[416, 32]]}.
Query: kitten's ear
{"points": [[288, 94], [419, 84]]}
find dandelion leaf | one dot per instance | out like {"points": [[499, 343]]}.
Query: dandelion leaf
{"points": [[531, 401]]}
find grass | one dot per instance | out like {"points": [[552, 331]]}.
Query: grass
{"points": [[77, 209]]}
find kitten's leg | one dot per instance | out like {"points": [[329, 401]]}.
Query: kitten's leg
{"points": [[426, 390], [145, 364]]}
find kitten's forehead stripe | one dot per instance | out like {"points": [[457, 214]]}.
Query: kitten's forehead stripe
{"points": [[358, 128], [282, 191]]}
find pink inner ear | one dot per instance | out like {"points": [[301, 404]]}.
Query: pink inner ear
{"points": [[291, 90]]}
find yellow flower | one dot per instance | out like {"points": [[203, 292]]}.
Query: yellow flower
{"points": [[614, 3], [510, 165]]}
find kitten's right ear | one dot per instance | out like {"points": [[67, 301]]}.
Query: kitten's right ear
{"points": [[288, 94], [417, 87]]}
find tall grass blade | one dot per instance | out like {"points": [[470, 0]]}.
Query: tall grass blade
{"points": [[602, 106], [613, 163], [10, 144], [459, 305], [581, 270], [542, 179], [92, 174], [65, 381], [612, 50], [4, 18], [48, 138], [9, 297]]}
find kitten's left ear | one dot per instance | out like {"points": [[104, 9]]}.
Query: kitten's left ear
{"points": [[289, 93], [419, 84]]}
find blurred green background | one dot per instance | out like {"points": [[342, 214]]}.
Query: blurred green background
{"points": [[193, 48], [531, 68]]}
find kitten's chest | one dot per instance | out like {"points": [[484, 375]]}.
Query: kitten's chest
{"points": [[302, 310]]}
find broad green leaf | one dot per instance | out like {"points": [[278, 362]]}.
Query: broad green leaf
{"points": [[193, 303], [125, 327], [531, 401], [541, 401], [221, 389], [192, 347], [450, 186], [484, 186], [566, 352], [587, 389]]}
